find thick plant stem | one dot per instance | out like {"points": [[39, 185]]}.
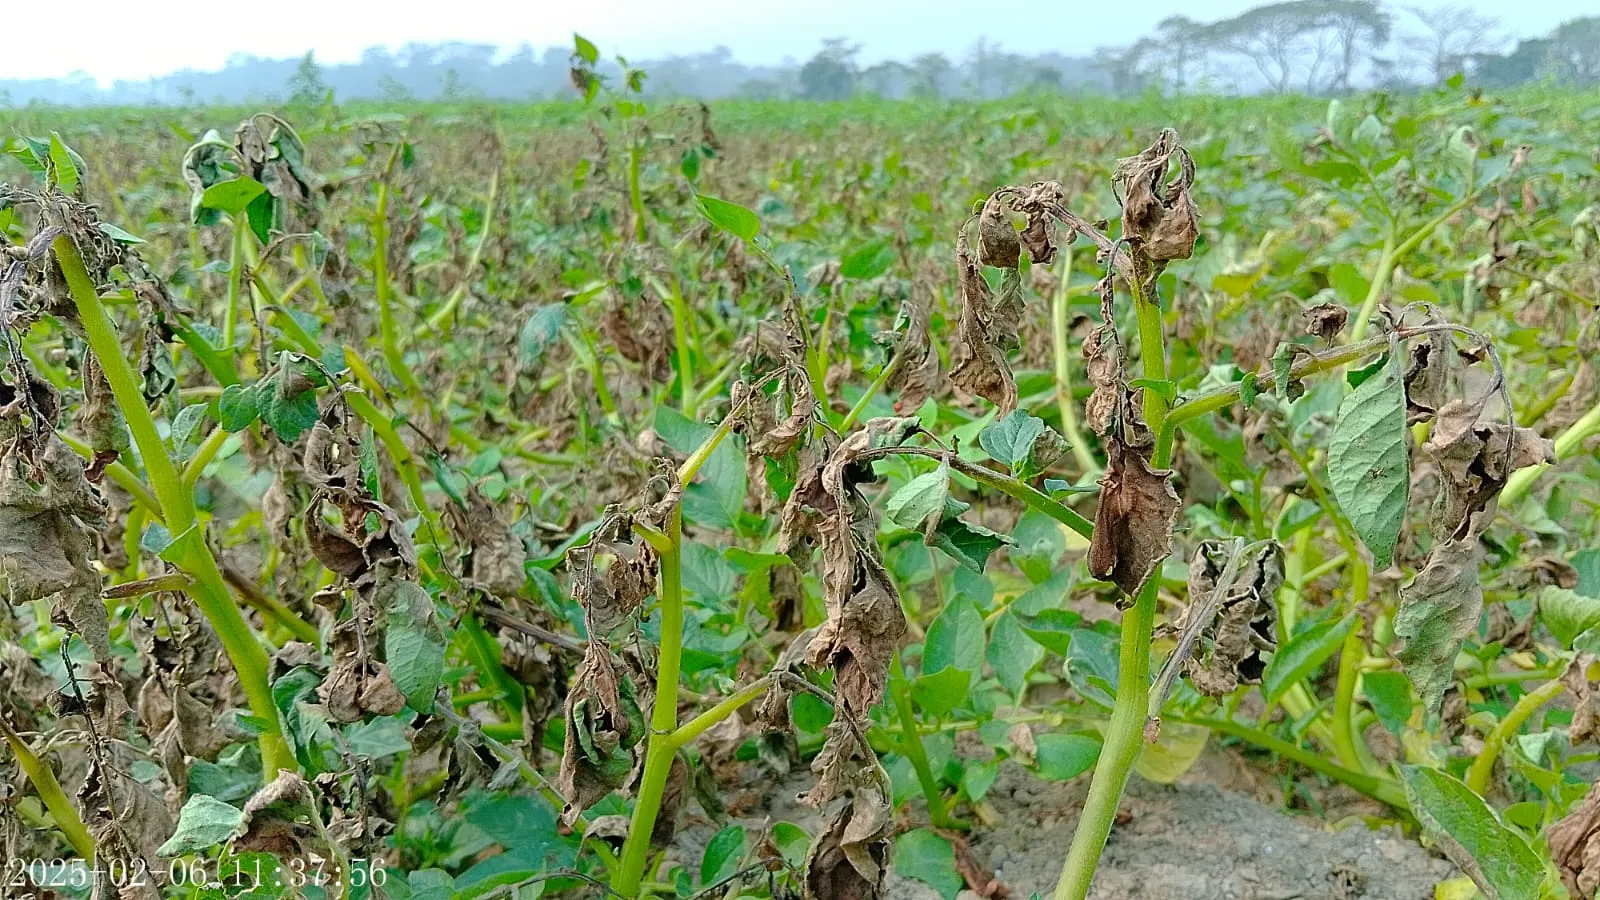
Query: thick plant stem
{"points": [[50, 792], [1125, 732], [210, 591], [1483, 766], [1350, 656], [1567, 443], [1124, 737], [663, 716]]}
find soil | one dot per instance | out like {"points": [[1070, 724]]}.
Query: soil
{"points": [[1193, 840]]}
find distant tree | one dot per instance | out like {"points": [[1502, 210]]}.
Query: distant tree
{"points": [[1355, 25], [306, 87], [1449, 37], [1125, 67], [1528, 61], [831, 74], [1314, 42], [887, 79], [391, 90], [1184, 45], [981, 68], [928, 75], [1574, 53]]}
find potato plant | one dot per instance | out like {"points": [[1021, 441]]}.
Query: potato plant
{"points": [[458, 506]]}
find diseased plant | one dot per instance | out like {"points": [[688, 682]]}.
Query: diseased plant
{"points": [[453, 515]]}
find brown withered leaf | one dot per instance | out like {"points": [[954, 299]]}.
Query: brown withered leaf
{"points": [[917, 374], [773, 711], [1575, 846], [1232, 616], [1475, 459], [604, 727], [1326, 320], [1427, 377], [281, 818], [865, 620], [612, 574], [1580, 680], [641, 330], [849, 859], [998, 244], [497, 555], [1158, 216], [1134, 521], [1039, 202], [986, 330]]}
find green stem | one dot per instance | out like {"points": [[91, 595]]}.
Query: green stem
{"points": [[1567, 443], [1124, 736], [1011, 487], [1380, 789], [680, 334], [230, 316], [50, 793], [210, 591], [1380, 283], [1483, 767], [635, 192], [1350, 656], [203, 457], [910, 744], [872, 390], [707, 720], [663, 716]]}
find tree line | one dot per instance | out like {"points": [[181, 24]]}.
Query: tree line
{"points": [[1312, 46]]}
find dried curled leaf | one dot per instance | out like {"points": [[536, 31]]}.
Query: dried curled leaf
{"points": [[987, 329], [849, 858], [1134, 521], [1427, 377], [917, 374], [864, 617], [605, 725], [1233, 614], [1326, 320], [1475, 459], [1158, 216], [281, 818], [998, 244], [1575, 846], [612, 574]]}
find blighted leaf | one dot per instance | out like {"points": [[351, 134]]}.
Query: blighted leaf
{"points": [[1475, 459], [1158, 215], [1133, 524], [1231, 621], [987, 330], [1367, 462], [1326, 320], [1498, 860], [998, 244], [282, 819], [1575, 846], [604, 725], [917, 374], [850, 856], [1427, 378], [1438, 610], [204, 822]]}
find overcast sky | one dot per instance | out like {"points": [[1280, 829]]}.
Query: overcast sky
{"points": [[114, 39]]}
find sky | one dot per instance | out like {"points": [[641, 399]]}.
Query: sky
{"points": [[115, 39]]}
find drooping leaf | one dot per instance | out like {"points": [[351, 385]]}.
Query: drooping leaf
{"points": [[1367, 462], [1497, 859], [203, 822], [232, 196], [538, 333], [967, 543], [1024, 443], [1305, 651], [1567, 613], [1438, 610]]}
